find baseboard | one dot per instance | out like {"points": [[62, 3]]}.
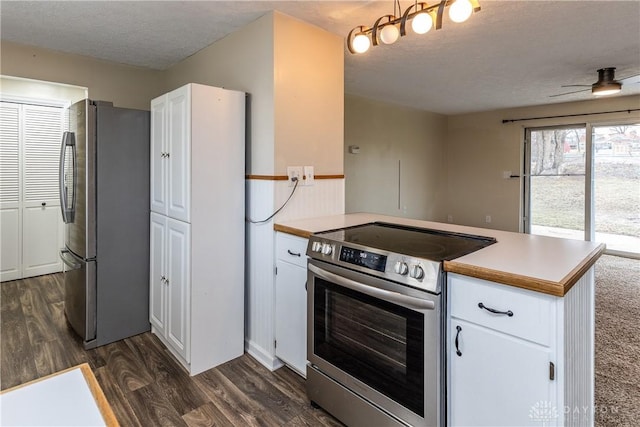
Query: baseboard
{"points": [[262, 356]]}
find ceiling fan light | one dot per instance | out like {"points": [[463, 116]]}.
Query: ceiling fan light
{"points": [[421, 23], [460, 10], [389, 34], [606, 89], [361, 43]]}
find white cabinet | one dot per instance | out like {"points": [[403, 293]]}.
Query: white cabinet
{"points": [[291, 301], [171, 154], [507, 353], [197, 224], [169, 292]]}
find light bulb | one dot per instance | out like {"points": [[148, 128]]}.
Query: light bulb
{"points": [[389, 34], [361, 43], [421, 23], [606, 92], [460, 10]]}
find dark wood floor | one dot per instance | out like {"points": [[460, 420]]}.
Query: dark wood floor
{"points": [[143, 383]]}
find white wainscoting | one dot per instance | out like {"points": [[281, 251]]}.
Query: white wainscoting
{"points": [[579, 344], [325, 197]]}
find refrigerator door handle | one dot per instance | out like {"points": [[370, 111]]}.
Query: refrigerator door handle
{"points": [[68, 140], [69, 260]]}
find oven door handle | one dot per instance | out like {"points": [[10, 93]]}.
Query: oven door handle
{"points": [[405, 300]]}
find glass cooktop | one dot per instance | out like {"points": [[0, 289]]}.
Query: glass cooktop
{"points": [[416, 242]]}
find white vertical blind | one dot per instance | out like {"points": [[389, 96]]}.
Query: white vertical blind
{"points": [[9, 152], [42, 136]]}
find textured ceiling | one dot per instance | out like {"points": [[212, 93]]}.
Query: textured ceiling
{"points": [[512, 53]]}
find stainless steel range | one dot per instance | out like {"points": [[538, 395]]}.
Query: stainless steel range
{"points": [[375, 307]]}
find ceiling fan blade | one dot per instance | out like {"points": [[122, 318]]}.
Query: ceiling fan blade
{"points": [[630, 80], [569, 93], [575, 86]]}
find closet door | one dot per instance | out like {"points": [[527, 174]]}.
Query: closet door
{"points": [[31, 228], [10, 215], [41, 218]]}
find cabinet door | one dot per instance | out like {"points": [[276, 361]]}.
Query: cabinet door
{"points": [[178, 286], [158, 165], [498, 380], [179, 157], [291, 315], [157, 273]]}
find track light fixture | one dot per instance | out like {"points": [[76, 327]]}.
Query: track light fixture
{"points": [[389, 28]]}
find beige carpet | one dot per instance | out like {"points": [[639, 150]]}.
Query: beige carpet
{"points": [[617, 353]]}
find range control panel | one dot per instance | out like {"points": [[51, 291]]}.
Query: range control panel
{"points": [[362, 258]]}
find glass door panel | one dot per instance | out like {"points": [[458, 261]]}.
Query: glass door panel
{"points": [[556, 167], [616, 175]]}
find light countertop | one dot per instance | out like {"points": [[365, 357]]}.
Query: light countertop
{"points": [[539, 263], [71, 397]]}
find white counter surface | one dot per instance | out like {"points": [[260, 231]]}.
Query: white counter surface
{"points": [[543, 264], [68, 398]]}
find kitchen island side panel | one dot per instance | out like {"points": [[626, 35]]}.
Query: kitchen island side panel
{"points": [[578, 337]]}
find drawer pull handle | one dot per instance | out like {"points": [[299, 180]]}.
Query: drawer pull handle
{"points": [[458, 352], [293, 253], [508, 312]]}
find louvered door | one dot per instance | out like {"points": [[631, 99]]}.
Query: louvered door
{"points": [[10, 212], [32, 236]]}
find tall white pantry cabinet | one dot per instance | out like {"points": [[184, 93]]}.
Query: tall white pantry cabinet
{"points": [[197, 224]]}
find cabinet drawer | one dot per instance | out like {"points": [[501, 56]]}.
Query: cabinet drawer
{"points": [[291, 249], [533, 314]]}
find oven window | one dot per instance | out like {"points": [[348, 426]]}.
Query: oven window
{"points": [[377, 342]]}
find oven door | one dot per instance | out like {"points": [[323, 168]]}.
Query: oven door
{"points": [[378, 339]]}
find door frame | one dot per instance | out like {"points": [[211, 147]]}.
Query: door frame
{"points": [[589, 184]]}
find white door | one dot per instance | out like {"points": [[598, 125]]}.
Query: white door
{"points": [[32, 233], [159, 160], [178, 285], [291, 315], [157, 273], [179, 153], [10, 212], [499, 380]]}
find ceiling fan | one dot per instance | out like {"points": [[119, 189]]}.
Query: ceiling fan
{"points": [[606, 84]]}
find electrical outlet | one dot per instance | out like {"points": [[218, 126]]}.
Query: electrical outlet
{"points": [[487, 219], [294, 172], [309, 176]]}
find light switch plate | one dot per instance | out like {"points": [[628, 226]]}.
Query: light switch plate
{"points": [[309, 176]]}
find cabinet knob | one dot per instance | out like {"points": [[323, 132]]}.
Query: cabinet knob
{"points": [[44, 203]]}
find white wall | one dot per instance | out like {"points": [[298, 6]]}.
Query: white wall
{"points": [[386, 135], [124, 85], [480, 147]]}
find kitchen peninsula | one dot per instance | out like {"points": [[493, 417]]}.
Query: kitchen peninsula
{"points": [[519, 318]]}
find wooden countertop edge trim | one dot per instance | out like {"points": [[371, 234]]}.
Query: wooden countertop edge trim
{"points": [[574, 275], [558, 289], [294, 231], [284, 177], [98, 395], [510, 279]]}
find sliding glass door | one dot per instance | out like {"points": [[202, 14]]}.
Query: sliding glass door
{"points": [[583, 182]]}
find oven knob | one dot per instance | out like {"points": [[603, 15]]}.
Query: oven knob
{"points": [[401, 268], [416, 272], [326, 249], [316, 247]]}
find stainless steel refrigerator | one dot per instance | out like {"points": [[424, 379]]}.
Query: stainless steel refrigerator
{"points": [[104, 195]]}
